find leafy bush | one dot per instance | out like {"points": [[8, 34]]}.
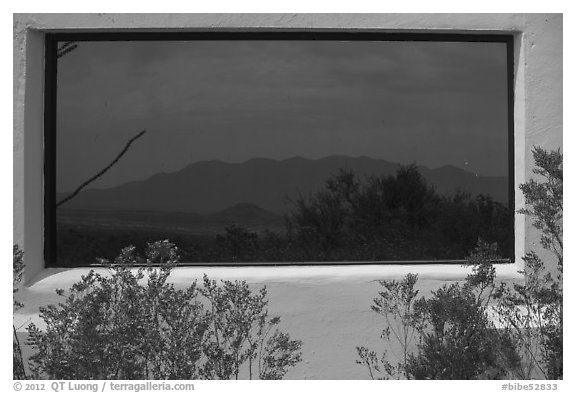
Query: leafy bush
{"points": [[240, 332], [446, 336], [459, 340], [18, 370], [465, 219], [133, 324], [396, 303], [456, 336], [394, 217], [238, 243], [348, 208], [532, 312]]}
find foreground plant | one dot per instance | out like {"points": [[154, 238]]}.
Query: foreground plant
{"points": [[446, 336], [18, 370], [241, 332], [133, 324], [532, 312], [457, 337], [396, 303]]}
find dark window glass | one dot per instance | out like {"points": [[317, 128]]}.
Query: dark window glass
{"points": [[335, 150]]}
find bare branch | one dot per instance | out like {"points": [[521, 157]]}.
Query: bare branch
{"points": [[66, 48], [103, 171]]}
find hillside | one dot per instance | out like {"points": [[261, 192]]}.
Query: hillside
{"points": [[212, 186], [247, 215]]}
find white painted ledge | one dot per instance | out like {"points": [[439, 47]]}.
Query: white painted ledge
{"points": [[52, 278], [327, 307], [352, 282]]}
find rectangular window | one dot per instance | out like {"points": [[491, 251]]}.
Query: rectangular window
{"points": [[278, 148]]}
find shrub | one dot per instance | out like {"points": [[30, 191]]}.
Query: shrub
{"points": [[532, 312], [459, 341], [446, 336], [347, 206], [394, 217], [238, 243], [464, 219], [240, 332], [457, 338], [18, 370], [133, 324], [396, 303]]}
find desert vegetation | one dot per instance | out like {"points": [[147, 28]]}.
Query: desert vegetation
{"points": [[480, 329], [375, 218], [398, 217], [131, 323], [18, 369]]}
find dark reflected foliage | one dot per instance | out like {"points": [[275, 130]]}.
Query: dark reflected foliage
{"points": [[394, 218], [378, 218]]}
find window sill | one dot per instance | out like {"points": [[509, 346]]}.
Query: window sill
{"points": [[345, 280], [65, 277]]}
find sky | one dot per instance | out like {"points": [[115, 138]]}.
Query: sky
{"points": [[432, 103]]}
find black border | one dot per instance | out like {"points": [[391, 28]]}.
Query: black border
{"points": [[511, 165], [50, 99], [279, 35]]}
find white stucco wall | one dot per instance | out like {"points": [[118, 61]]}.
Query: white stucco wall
{"points": [[326, 307]]}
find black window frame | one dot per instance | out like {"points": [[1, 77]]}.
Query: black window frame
{"points": [[50, 103]]}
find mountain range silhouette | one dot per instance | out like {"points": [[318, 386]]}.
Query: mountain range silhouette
{"points": [[210, 187]]}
